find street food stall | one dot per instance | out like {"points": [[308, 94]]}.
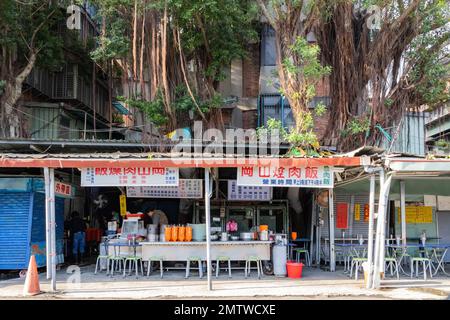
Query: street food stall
{"points": [[153, 170]]}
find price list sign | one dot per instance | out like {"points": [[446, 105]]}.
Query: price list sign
{"points": [[186, 189], [248, 193]]}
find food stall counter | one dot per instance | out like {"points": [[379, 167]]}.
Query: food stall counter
{"points": [[181, 251]]}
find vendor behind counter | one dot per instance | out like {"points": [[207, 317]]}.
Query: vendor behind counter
{"points": [[154, 216]]}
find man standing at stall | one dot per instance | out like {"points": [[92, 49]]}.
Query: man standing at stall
{"points": [[158, 217], [77, 228]]}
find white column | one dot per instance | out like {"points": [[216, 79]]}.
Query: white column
{"points": [[48, 235], [53, 227], [331, 226], [384, 206], [376, 254], [370, 233], [381, 236], [403, 210], [208, 227]]}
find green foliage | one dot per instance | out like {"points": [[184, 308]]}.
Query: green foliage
{"points": [[308, 63], [19, 20], [305, 139], [222, 27], [442, 144], [320, 109], [114, 44], [182, 103], [153, 110], [357, 126]]}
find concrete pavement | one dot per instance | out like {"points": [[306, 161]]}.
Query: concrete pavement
{"points": [[315, 284]]}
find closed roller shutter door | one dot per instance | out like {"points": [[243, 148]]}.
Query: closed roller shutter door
{"points": [[15, 224]]}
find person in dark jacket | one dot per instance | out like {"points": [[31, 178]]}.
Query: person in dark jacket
{"points": [[78, 230]]}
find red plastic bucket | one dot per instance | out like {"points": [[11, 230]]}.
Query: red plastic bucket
{"points": [[294, 269]]}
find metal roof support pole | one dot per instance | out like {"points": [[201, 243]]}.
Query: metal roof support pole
{"points": [[384, 206], [376, 263], [47, 223], [403, 210], [208, 227], [370, 233], [381, 232], [311, 236], [53, 226], [331, 225]]}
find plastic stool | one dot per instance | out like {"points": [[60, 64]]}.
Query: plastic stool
{"points": [[426, 265], [136, 261], [188, 266], [392, 264], [218, 260], [248, 262], [357, 263], [99, 258], [299, 251], [150, 262]]}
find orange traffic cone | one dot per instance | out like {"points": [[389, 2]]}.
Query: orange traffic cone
{"points": [[31, 287]]}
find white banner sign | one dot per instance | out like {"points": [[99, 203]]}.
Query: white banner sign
{"points": [[187, 189], [123, 177], [304, 177], [248, 193]]}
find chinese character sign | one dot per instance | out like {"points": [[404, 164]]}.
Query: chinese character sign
{"points": [[249, 193], [341, 215], [63, 189], [305, 177], [122, 177], [123, 205], [357, 209], [366, 212], [187, 189]]}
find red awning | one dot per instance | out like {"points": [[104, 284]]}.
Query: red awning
{"points": [[29, 162]]}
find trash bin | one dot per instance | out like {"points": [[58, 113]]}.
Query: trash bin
{"points": [[294, 269]]}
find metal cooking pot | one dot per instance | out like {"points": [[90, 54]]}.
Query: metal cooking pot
{"points": [[247, 236]]}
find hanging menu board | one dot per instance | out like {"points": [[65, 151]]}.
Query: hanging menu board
{"points": [[123, 177], [248, 193], [416, 214], [342, 215], [186, 189], [304, 177]]}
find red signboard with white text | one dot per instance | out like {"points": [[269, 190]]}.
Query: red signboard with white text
{"points": [[63, 189], [304, 177], [122, 177]]}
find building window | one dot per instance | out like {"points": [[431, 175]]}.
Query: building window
{"points": [[64, 127], [268, 48]]}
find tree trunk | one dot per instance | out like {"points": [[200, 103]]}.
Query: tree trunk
{"points": [[13, 92]]}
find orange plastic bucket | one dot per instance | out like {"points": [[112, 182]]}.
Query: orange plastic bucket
{"points": [[263, 227], [181, 233], [168, 233], [188, 235], [294, 269], [174, 234]]}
